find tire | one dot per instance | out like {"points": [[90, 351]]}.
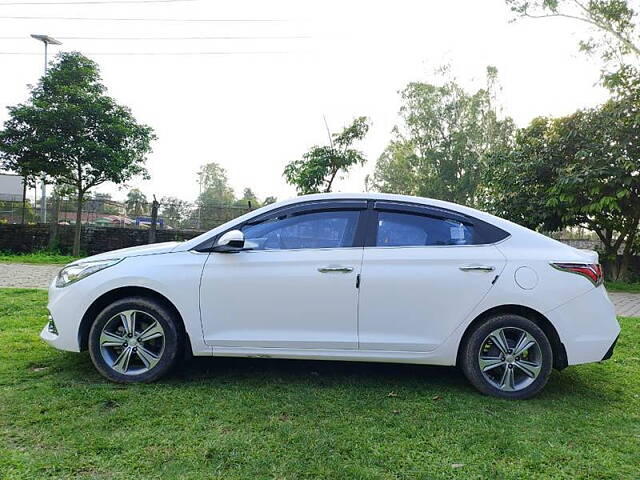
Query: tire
{"points": [[507, 370], [141, 355]]}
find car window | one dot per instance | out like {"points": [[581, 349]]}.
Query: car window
{"points": [[331, 229], [408, 230]]}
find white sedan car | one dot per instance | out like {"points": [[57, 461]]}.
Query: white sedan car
{"points": [[363, 277]]}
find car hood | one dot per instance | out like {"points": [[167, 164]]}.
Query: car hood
{"points": [[152, 249]]}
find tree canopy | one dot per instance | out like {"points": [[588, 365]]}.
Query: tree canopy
{"points": [[317, 169], [175, 211], [439, 148], [614, 24], [74, 133], [214, 185], [136, 202], [579, 170], [248, 197]]}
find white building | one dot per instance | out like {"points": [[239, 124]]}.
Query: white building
{"points": [[10, 187]]}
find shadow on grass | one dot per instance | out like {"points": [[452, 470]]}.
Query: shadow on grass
{"points": [[570, 384], [200, 367]]}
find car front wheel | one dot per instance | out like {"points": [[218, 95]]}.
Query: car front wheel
{"points": [[508, 356], [134, 340]]}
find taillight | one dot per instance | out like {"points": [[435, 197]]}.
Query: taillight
{"points": [[593, 271]]}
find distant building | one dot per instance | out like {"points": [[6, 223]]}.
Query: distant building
{"points": [[10, 187]]}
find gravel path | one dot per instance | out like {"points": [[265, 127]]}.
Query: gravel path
{"points": [[27, 276], [40, 276]]}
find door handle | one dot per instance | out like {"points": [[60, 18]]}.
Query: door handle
{"points": [[477, 268], [335, 268]]}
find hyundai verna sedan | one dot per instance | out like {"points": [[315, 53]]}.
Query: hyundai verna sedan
{"points": [[363, 277]]}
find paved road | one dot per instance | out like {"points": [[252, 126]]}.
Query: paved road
{"points": [[40, 276], [627, 304]]}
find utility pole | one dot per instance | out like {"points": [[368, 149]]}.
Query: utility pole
{"points": [[154, 220], [200, 200], [47, 40]]}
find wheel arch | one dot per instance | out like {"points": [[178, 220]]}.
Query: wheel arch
{"points": [[123, 292], [559, 352]]}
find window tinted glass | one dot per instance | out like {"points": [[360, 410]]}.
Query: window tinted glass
{"points": [[331, 229], [404, 230]]}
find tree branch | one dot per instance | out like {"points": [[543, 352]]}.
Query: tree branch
{"points": [[333, 176], [602, 26]]}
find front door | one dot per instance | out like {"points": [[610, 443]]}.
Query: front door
{"points": [[295, 288]]}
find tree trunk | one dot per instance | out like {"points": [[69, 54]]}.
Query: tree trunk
{"points": [[328, 187], [609, 260], [78, 228], [628, 250]]}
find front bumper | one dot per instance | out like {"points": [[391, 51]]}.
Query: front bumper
{"points": [[66, 307]]}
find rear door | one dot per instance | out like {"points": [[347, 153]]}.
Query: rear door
{"points": [[424, 270]]}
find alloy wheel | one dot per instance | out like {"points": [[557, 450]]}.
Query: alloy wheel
{"points": [[510, 359], [132, 342]]}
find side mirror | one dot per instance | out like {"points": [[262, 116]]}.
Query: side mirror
{"points": [[232, 241]]}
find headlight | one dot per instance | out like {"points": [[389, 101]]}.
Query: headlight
{"points": [[78, 271]]}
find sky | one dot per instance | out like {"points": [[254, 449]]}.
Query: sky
{"points": [[254, 112]]}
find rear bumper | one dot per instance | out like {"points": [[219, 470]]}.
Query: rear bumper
{"points": [[587, 326], [609, 353]]}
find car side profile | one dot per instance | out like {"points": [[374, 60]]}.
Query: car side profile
{"points": [[362, 277]]}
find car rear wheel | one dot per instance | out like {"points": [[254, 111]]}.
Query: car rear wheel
{"points": [[134, 340], [508, 356]]}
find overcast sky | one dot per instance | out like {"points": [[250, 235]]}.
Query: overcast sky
{"points": [[253, 113]]}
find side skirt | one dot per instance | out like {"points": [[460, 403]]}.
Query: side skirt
{"points": [[426, 358]]}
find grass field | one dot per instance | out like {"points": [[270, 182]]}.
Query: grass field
{"points": [[42, 257], [623, 287], [252, 419]]}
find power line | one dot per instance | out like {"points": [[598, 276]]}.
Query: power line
{"points": [[140, 19], [162, 53], [283, 37], [94, 2]]}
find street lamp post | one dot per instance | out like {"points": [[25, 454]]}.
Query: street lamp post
{"points": [[47, 40]]}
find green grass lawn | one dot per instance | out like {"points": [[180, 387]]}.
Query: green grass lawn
{"points": [[42, 257], [622, 287], [252, 419]]}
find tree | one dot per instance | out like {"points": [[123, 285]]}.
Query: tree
{"points": [[174, 211], [136, 202], [440, 148], [611, 149], [7, 209], [248, 198], [216, 197], [214, 185], [318, 168], [616, 33], [580, 170], [76, 134], [269, 200]]}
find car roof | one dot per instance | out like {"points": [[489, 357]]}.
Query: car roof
{"points": [[402, 199]]}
